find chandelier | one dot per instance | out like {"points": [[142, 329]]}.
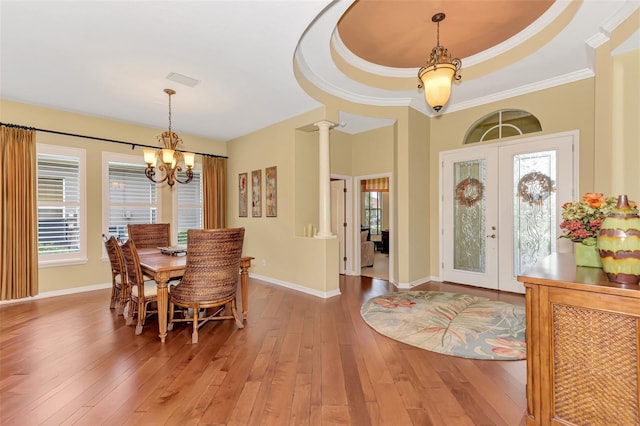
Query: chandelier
{"points": [[169, 158], [436, 76]]}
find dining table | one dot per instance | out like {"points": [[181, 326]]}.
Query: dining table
{"points": [[163, 267]]}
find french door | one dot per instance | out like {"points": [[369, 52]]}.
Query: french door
{"points": [[501, 208]]}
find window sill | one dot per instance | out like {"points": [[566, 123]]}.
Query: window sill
{"points": [[61, 262]]}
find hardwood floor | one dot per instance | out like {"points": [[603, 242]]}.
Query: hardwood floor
{"points": [[300, 360]]}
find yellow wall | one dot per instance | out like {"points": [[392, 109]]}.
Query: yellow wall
{"points": [[96, 271], [281, 251], [372, 152], [341, 152]]}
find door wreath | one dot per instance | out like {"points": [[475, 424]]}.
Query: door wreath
{"points": [[469, 191]]}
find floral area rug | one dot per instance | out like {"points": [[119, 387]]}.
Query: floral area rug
{"points": [[450, 323]]}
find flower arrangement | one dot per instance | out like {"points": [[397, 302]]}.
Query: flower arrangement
{"points": [[582, 219]]}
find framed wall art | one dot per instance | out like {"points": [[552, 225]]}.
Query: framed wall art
{"points": [[271, 191], [243, 195], [256, 193]]}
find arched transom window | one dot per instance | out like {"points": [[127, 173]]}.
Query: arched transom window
{"points": [[502, 124]]}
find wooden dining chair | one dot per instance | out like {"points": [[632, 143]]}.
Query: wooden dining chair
{"points": [[211, 278], [142, 292], [120, 290], [150, 235]]}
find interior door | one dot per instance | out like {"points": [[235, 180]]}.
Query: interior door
{"points": [[501, 212], [338, 221]]}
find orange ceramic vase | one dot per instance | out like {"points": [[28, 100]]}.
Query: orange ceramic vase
{"points": [[619, 244]]}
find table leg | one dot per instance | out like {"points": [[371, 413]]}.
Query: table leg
{"points": [[245, 264], [163, 303]]}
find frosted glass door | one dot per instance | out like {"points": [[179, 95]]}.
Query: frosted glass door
{"points": [[541, 179], [470, 218], [500, 211]]}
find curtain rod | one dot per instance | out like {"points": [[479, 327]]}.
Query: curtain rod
{"points": [[133, 144]]}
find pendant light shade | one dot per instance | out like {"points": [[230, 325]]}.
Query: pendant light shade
{"points": [[439, 72]]}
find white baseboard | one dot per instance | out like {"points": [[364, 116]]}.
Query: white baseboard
{"points": [[302, 289], [56, 293], [415, 283]]}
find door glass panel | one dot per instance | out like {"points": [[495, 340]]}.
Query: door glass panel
{"points": [[469, 216], [535, 208]]}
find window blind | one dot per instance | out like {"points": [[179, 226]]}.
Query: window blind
{"points": [[189, 205], [58, 180], [133, 198]]}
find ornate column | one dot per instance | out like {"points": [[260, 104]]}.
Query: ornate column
{"points": [[324, 161]]}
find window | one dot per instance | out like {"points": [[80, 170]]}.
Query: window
{"points": [[502, 124], [61, 205], [130, 196], [188, 204], [373, 211]]}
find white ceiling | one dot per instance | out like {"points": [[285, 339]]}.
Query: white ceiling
{"points": [[110, 59]]}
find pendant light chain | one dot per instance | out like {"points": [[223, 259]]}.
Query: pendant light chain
{"points": [[170, 115]]}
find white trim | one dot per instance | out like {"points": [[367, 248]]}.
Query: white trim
{"points": [[57, 293], [340, 92], [62, 262], [413, 284], [348, 184], [296, 287], [523, 90], [66, 259]]}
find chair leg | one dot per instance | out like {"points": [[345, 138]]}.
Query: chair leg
{"points": [[194, 335], [239, 322], [172, 309], [122, 300], [133, 304], [114, 294], [142, 314]]}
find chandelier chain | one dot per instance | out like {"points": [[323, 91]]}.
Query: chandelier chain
{"points": [[169, 113]]}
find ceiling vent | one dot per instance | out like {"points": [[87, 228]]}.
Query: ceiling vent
{"points": [[182, 79]]}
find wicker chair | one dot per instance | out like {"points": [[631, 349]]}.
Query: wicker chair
{"points": [[150, 235], [142, 292], [211, 277], [120, 291]]}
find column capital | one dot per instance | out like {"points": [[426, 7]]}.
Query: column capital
{"points": [[325, 124]]}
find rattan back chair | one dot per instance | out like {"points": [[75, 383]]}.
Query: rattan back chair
{"points": [[120, 291], [211, 278], [150, 235], [142, 292]]}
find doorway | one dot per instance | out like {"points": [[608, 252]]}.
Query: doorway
{"points": [[339, 225], [501, 208], [374, 201]]}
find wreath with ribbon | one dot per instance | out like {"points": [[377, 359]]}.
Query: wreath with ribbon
{"points": [[469, 191], [535, 187]]}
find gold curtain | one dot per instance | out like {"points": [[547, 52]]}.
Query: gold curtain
{"points": [[375, 185], [214, 192], [19, 211]]}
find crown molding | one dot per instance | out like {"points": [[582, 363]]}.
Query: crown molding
{"points": [[523, 90]]}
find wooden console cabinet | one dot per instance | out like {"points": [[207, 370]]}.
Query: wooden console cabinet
{"points": [[583, 334]]}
